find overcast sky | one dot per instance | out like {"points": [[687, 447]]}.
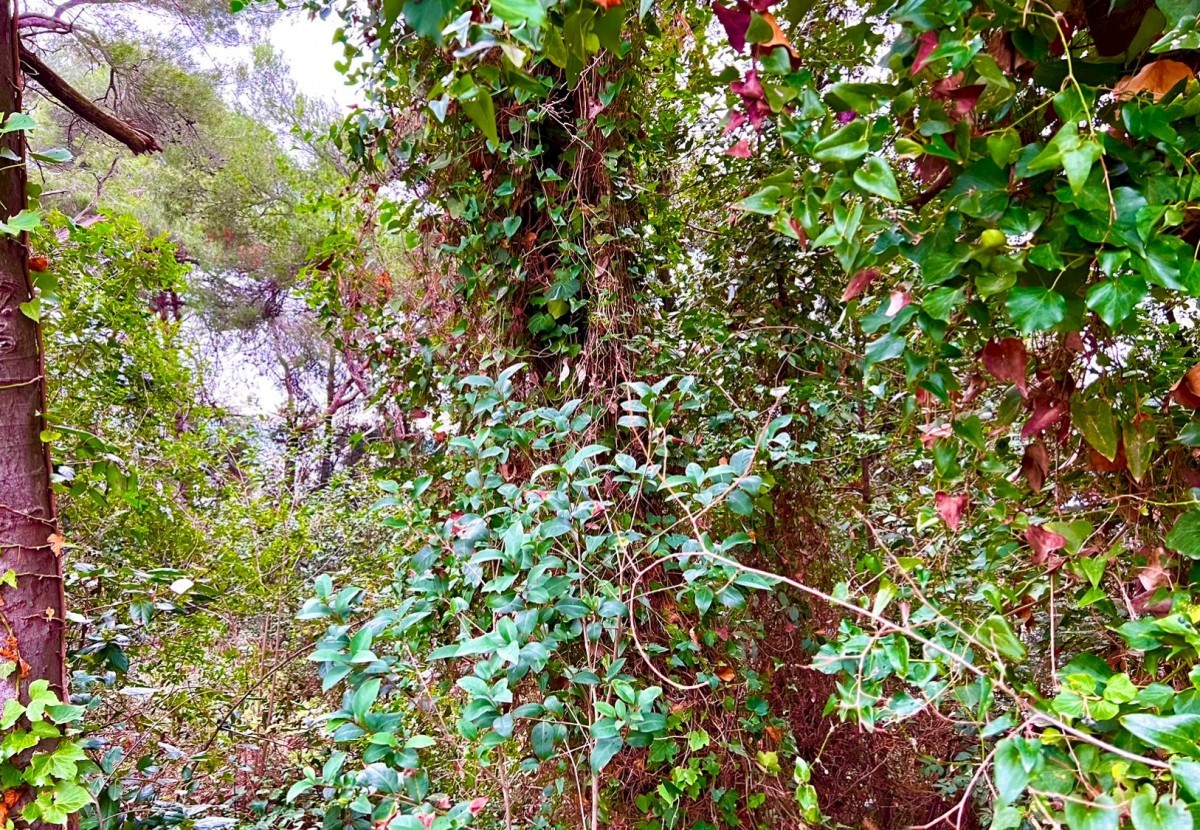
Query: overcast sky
{"points": [[309, 49]]}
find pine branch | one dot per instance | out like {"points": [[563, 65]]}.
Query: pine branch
{"points": [[137, 140]]}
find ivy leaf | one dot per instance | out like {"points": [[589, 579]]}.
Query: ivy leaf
{"points": [[1044, 542], [859, 283], [1094, 417], [850, 143], [517, 12], [1015, 761], [950, 508], [1008, 361], [1074, 154], [875, 176], [478, 106], [765, 201], [1035, 308], [1184, 537], [17, 121], [1101, 814], [1114, 300], [996, 633], [736, 21], [1177, 734], [1140, 437], [888, 347], [1166, 814], [423, 16], [1187, 775]]}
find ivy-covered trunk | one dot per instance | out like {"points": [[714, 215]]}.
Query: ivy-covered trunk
{"points": [[31, 588]]}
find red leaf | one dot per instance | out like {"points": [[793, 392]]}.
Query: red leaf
{"points": [[750, 90], [930, 168], [951, 508], [1044, 542], [476, 806], [741, 150], [1035, 464], [1046, 413], [1186, 390], [859, 283], [801, 235], [962, 98], [931, 434], [897, 302], [926, 43], [736, 21], [1007, 360], [736, 120]]}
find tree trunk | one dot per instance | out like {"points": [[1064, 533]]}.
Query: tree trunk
{"points": [[31, 614]]}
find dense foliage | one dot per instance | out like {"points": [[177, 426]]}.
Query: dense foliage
{"points": [[764, 413]]}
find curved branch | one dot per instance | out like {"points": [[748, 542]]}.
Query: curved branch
{"points": [[137, 140], [43, 22]]}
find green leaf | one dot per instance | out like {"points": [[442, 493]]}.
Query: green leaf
{"points": [[542, 740], [1174, 733], [298, 789], [1166, 814], [875, 176], [997, 634], [70, 797], [765, 201], [604, 750], [58, 155], [849, 143], [1184, 537], [1101, 814], [1036, 309], [476, 102], [364, 698], [517, 12], [17, 121], [1095, 420], [1141, 439], [1016, 760], [1114, 300], [1187, 775], [423, 16], [888, 347]]}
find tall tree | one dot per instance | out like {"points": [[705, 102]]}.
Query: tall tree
{"points": [[32, 611]]}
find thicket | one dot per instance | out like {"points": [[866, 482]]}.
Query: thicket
{"points": [[747, 415]]}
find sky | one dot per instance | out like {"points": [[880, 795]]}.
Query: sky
{"points": [[235, 375], [308, 47]]}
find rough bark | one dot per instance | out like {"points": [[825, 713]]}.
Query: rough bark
{"points": [[139, 141], [31, 615]]}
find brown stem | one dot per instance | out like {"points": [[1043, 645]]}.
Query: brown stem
{"points": [[137, 140]]}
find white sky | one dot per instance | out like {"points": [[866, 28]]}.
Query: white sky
{"points": [[308, 47]]}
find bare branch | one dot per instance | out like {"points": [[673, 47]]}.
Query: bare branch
{"points": [[43, 23], [137, 140]]}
